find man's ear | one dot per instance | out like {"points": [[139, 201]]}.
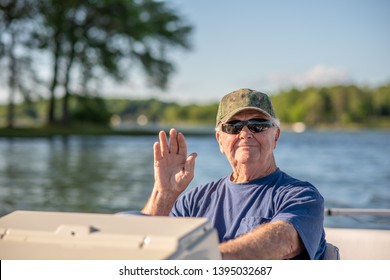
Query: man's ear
{"points": [[277, 136], [218, 137]]}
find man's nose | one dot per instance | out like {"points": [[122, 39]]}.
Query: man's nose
{"points": [[245, 132]]}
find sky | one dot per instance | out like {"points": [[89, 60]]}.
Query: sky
{"points": [[273, 45]]}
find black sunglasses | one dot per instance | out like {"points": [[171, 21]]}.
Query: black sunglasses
{"points": [[254, 125]]}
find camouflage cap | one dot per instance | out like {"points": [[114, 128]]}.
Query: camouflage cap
{"points": [[244, 99]]}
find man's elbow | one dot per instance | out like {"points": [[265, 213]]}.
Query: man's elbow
{"points": [[294, 245]]}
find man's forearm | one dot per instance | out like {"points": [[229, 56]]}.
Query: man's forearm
{"points": [[159, 204], [275, 240]]}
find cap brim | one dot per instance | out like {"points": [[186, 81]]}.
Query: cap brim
{"points": [[231, 114]]}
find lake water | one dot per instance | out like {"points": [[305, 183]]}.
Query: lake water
{"points": [[115, 173]]}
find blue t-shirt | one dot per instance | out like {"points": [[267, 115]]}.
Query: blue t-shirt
{"points": [[236, 208]]}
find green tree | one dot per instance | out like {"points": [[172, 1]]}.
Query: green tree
{"points": [[381, 101], [339, 103], [289, 105], [91, 109], [107, 37], [358, 108], [15, 33], [202, 114]]}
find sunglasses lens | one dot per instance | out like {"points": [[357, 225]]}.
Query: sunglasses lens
{"points": [[256, 128], [232, 128]]}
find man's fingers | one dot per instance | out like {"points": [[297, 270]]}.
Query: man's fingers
{"points": [[190, 163], [173, 151], [156, 152], [173, 146], [163, 143], [182, 145]]}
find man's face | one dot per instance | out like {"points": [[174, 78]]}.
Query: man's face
{"points": [[246, 147]]}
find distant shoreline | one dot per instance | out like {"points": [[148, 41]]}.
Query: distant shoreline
{"points": [[191, 130], [95, 131]]}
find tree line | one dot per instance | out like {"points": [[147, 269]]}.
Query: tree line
{"points": [[79, 43], [336, 106]]}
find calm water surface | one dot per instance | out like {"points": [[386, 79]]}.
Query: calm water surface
{"points": [[115, 173]]}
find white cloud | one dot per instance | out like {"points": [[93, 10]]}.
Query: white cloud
{"points": [[319, 75]]}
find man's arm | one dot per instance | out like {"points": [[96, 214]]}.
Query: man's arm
{"points": [[271, 241], [173, 172]]}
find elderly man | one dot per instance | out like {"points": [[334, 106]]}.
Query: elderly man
{"points": [[259, 211]]}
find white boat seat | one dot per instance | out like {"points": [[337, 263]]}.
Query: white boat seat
{"points": [[360, 244]]}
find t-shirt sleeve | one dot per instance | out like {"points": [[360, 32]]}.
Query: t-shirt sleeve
{"points": [[303, 207], [180, 208]]}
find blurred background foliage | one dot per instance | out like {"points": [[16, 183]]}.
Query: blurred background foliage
{"points": [[342, 105], [82, 42], [336, 106]]}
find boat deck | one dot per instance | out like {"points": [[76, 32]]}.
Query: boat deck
{"points": [[360, 244]]}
